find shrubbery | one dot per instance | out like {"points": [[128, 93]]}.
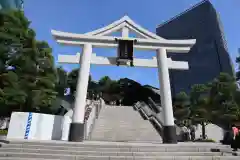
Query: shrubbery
{"points": [[205, 140], [3, 132]]}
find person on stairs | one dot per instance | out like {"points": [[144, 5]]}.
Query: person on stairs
{"points": [[192, 132], [234, 144]]}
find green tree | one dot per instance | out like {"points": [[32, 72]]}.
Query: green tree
{"points": [[200, 112], [12, 27], [62, 83], [12, 98], [181, 107], [30, 60], [132, 91], [105, 81], [72, 80], [105, 84], [223, 99], [44, 90]]}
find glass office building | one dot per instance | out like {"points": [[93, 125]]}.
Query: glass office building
{"points": [[11, 4], [208, 57]]}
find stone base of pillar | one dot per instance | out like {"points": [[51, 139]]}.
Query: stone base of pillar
{"points": [[169, 134], [76, 132]]}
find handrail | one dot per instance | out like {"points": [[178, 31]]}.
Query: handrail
{"points": [[156, 116], [94, 113], [147, 110], [144, 109], [153, 105], [147, 113], [143, 114], [158, 126], [137, 105], [156, 119]]}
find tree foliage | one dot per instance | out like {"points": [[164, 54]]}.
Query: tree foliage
{"points": [[181, 107], [72, 79], [26, 66], [199, 104], [216, 102], [61, 82], [223, 99], [200, 111]]}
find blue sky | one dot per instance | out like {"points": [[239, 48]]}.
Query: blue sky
{"points": [[82, 16]]}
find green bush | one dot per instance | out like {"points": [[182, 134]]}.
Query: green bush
{"points": [[205, 140], [3, 132]]}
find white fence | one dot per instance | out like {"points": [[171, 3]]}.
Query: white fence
{"points": [[213, 132]]}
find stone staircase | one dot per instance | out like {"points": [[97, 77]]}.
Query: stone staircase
{"points": [[139, 141], [123, 123], [94, 150]]}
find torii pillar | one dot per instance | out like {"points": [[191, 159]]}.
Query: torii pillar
{"points": [[146, 41], [169, 130], [77, 126]]}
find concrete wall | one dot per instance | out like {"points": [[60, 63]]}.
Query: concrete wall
{"points": [[36, 126], [213, 132]]}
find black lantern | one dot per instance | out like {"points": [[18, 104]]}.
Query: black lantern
{"points": [[125, 51]]}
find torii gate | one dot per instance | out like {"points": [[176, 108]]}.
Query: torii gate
{"points": [[146, 40]]}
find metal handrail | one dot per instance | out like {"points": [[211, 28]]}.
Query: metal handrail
{"points": [[152, 116], [98, 105], [143, 114], [153, 105]]}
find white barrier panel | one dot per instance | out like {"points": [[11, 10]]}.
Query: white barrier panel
{"points": [[36, 126], [17, 125], [65, 127]]}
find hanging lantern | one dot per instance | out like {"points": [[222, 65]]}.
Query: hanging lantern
{"points": [[125, 51]]}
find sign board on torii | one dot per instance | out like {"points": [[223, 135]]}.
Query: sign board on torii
{"points": [[146, 41]]}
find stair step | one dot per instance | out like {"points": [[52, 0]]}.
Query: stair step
{"points": [[116, 149], [135, 158], [108, 153], [123, 124], [93, 150], [19, 158], [112, 144], [92, 157]]}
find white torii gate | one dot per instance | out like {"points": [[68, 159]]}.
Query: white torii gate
{"points": [[145, 41]]}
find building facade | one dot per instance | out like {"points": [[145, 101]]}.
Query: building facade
{"points": [[208, 57], [11, 4]]}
